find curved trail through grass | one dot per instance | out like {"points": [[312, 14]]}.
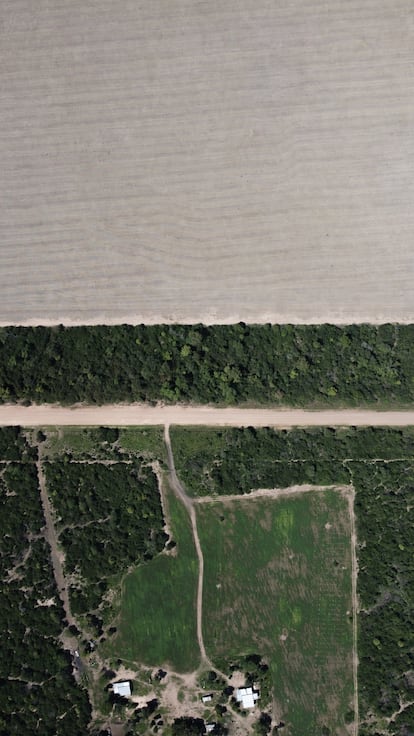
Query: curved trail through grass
{"points": [[189, 505], [354, 573]]}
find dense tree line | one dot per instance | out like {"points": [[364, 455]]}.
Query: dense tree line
{"points": [[109, 517], [380, 464], [38, 694], [278, 364]]}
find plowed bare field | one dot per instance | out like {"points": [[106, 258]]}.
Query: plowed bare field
{"points": [[206, 161]]}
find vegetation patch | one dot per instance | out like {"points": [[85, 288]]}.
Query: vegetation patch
{"points": [[301, 365], [157, 623], [385, 513], [101, 443], [108, 518], [278, 582], [93, 477], [231, 460], [144, 442], [38, 694], [379, 462]]}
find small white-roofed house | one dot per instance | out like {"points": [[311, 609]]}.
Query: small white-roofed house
{"points": [[122, 688], [207, 698], [247, 697]]}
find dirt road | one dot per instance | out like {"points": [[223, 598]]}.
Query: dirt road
{"points": [[121, 415]]}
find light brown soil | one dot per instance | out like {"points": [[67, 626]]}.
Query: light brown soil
{"points": [[206, 161], [269, 493], [118, 415]]}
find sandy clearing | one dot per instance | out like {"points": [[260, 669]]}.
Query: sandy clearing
{"points": [[271, 493], [206, 161], [119, 415]]}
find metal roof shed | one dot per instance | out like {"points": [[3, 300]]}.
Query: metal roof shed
{"points": [[122, 688]]}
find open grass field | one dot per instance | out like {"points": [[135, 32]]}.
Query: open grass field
{"points": [[277, 582], [158, 616], [206, 161]]}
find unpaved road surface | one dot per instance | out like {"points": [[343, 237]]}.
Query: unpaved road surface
{"points": [[122, 415], [170, 160]]}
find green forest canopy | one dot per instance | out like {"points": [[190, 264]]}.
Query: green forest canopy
{"points": [[38, 693], [303, 365]]}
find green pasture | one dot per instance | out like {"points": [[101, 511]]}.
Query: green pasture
{"points": [[143, 440], [158, 607], [278, 583]]}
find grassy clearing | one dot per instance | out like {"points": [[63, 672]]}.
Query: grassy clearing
{"points": [[143, 440], [278, 583], [74, 440], [158, 608], [104, 443]]}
